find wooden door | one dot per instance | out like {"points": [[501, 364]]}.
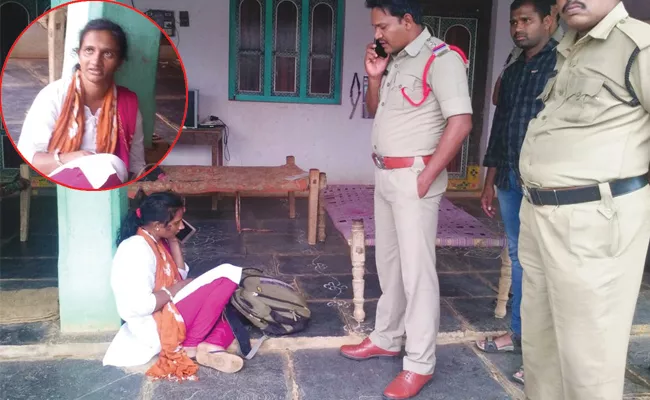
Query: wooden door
{"points": [[466, 24]]}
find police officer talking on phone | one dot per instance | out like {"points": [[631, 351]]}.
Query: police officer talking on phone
{"points": [[418, 129]]}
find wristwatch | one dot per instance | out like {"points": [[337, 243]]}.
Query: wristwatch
{"points": [[57, 158]]}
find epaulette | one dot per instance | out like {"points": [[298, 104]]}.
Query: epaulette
{"points": [[637, 31], [438, 49]]}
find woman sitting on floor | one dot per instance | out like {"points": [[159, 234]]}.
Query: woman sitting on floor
{"points": [[85, 131], [163, 311]]}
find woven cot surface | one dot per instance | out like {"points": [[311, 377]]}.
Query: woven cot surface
{"points": [[456, 228], [207, 179]]}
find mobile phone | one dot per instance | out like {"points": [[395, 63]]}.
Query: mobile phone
{"points": [[381, 53], [186, 233]]}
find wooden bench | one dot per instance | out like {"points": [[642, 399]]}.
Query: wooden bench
{"points": [[209, 180]]}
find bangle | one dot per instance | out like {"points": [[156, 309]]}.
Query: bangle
{"points": [[164, 289], [57, 158]]}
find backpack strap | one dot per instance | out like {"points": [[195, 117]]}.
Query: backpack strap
{"points": [[437, 51]]}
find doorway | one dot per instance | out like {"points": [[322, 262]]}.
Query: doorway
{"points": [[14, 18], [465, 24]]}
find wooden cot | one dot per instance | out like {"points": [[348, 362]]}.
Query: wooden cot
{"points": [[206, 180]]}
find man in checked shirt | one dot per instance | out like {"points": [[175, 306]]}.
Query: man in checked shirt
{"points": [[521, 84]]}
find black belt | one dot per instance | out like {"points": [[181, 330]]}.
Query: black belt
{"points": [[583, 194]]}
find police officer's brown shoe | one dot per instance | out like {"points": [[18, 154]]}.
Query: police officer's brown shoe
{"points": [[406, 385], [365, 350]]}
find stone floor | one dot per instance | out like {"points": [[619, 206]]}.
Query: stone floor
{"points": [[468, 282]]}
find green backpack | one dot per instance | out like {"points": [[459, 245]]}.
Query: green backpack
{"points": [[270, 304]]}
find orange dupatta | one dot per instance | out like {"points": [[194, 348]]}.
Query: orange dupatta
{"points": [[69, 128], [173, 363]]}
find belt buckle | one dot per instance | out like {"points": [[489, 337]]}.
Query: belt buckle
{"points": [[379, 161]]}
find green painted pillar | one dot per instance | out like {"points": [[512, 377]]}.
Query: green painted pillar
{"points": [[89, 221], [88, 224]]}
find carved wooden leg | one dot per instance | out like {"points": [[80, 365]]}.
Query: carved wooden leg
{"points": [[321, 207], [215, 202], [314, 177], [504, 284], [25, 203], [238, 211], [292, 205], [358, 256]]}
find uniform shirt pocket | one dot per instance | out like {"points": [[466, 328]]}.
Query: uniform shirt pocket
{"points": [[411, 85], [546, 93], [584, 102]]}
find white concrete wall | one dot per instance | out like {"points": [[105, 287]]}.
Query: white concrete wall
{"points": [[320, 136], [32, 44]]}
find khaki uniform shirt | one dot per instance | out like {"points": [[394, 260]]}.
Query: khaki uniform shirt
{"points": [[403, 130], [585, 135], [518, 51]]}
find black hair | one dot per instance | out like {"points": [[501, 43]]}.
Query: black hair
{"points": [[542, 7], [398, 8], [157, 207], [102, 24]]}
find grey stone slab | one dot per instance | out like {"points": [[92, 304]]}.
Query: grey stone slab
{"points": [[448, 320], [67, 379], [199, 262], [638, 365], [211, 242], [22, 99], [325, 264], [325, 375], [336, 287], [325, 321], [36, 246], [22, 334], [642, 311], [263, 377], [18, 284], [450, 262], [506, 363], [479, 314], [282, 224], [29, 268], [463, 285]]}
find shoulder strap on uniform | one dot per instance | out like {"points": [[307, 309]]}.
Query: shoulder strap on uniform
{"points": [[639, 33], [437, 51]]}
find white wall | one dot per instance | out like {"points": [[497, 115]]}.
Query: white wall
{"points": [[32, 43], [320, 136]]}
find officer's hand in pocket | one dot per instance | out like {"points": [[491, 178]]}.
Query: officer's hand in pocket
{"points": [[423, 185]]}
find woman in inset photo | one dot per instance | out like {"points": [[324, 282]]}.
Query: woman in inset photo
{"points": [[85, 131]]}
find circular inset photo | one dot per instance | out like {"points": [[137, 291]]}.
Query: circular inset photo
{"points": [[93, 96]]}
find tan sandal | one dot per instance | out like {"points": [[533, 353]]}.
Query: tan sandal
{"points": [[220, 360]]}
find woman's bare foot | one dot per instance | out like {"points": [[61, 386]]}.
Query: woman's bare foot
{"points": [[218, 358], [190, 351]]}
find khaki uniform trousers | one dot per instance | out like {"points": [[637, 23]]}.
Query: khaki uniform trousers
{"points": [[405, 250], [583, 266]]}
